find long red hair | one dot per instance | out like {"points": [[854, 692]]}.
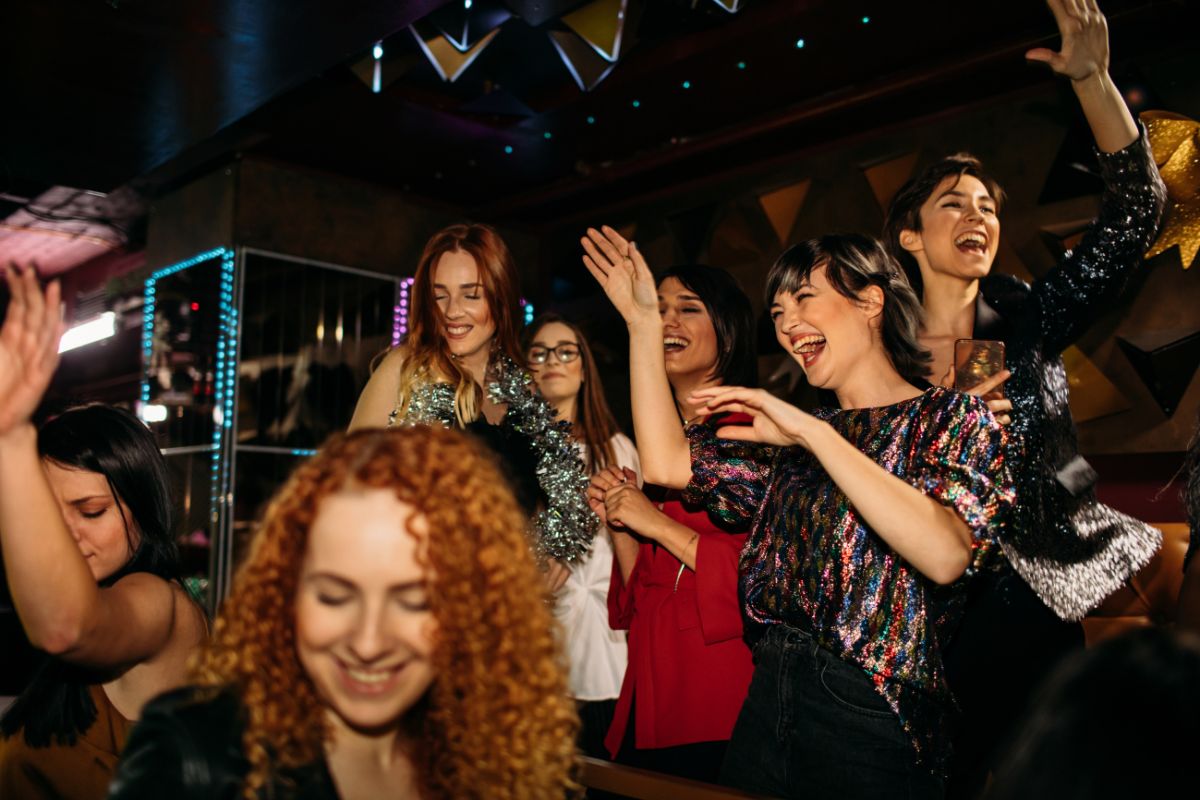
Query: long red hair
{"points": [[426, 354]]}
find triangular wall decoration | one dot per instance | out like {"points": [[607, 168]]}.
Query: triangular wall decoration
{"points": [[733, 241], [465, 24], [782, 207], [584, 64], [886, 177], [445, 58], [1093, 395], [600, 24], [1166, 361]]}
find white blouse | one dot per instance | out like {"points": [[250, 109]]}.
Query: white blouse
{"points": [[597, 654]]}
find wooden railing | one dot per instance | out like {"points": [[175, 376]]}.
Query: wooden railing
{"points": [[640, 784]]}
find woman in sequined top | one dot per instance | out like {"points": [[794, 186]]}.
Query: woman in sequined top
{"points": [[461, 365], [865, 520], [1066, 551]]}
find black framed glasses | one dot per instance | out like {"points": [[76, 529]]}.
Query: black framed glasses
{"points": [[565, 353]]}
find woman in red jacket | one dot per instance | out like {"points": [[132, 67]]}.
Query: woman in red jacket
{"points": [[674, 583]]}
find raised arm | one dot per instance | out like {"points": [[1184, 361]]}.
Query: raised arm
{"points": [[618, 266], [58, 601], [1084, 59], [1089, 278]]}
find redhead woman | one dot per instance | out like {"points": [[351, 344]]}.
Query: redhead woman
{"points": [[461, 365], [86, 529], [674, 585], [864, 521], [386, 637], [565, 370]]}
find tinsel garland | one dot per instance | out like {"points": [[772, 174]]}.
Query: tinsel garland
{"points": [[566, 527]]}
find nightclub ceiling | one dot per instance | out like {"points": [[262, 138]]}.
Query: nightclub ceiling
{"points": [[520, 111]]}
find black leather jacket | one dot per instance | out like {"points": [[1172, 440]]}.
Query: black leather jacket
{"points": [[188, 746], [1072, 550]]}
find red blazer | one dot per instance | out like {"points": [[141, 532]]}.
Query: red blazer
{"points": [[689, 669]]}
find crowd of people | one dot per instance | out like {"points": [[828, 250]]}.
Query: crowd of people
{"points": [[485, 578]]}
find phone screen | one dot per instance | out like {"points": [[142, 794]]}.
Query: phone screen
{"points": [[976, 360]]}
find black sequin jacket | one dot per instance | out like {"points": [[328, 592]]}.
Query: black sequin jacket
{"points": [[1071, 549]]}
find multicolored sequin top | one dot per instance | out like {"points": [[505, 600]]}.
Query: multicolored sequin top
{"points": [[812, 563]]}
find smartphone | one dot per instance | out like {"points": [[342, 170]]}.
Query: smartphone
{"points": [[976, 360]]}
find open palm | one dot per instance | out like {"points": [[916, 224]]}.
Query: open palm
{"points": [[1084, 34], [28, 346], [618, 266]]}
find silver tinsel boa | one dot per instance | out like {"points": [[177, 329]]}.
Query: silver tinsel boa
{"points": [[564, 529]]}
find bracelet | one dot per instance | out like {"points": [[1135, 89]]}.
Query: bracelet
{"points": [[682, 565]]}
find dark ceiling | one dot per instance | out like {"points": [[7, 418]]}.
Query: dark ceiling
{"points": [[103, 94]]}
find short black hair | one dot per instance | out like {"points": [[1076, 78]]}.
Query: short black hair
{"points": [[904, 212], [852, 263], [732, 318]]}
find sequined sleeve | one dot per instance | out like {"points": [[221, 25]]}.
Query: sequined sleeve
{"points": [[729, 477], [1078, 289], [960, 462]]}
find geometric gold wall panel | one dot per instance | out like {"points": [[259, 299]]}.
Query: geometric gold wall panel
{"points": [[782, 207], [887, 177], [1092, 394]]}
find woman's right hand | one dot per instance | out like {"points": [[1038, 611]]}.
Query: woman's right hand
{"points": [[28, 346], [618, 266], [991, 391]]}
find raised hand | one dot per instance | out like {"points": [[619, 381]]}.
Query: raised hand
{"points": [[28, 346], [775, 421], [1084, 34], [618, 266]]}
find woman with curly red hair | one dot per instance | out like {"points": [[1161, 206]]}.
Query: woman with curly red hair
{"points": [[386, 636]]}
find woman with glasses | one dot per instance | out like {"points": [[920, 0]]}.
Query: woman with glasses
{"points": [[675, 582], [566, 373], [461, 366]]}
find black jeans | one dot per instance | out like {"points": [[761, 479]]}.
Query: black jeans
{"points": [[813, 726]]}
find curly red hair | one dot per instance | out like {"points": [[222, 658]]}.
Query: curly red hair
{"points": [[497, 721]]}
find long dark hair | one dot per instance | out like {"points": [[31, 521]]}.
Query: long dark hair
{"points": [[852, 263], [56, 706], [594, 423], [732, 318]]}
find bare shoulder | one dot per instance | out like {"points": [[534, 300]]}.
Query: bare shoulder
{"points": [[191, 621], [379, 395]]}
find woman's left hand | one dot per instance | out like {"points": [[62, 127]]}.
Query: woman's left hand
{"points": [[775, 421], [28, 346], [1084, 34], [628, 507]]}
